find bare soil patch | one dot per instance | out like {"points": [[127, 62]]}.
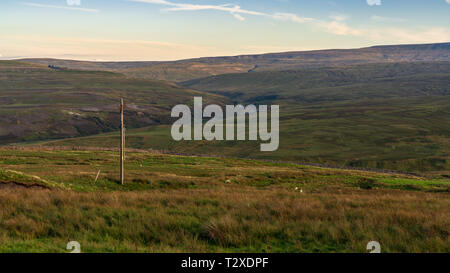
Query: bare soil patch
{"points": [[16, 185]]}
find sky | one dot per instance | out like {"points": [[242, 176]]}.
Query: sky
{"points": [[157, 30]]}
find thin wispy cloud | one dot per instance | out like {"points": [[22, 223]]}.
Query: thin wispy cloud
{"points": [[233, 9], [374, 2], [377, 18], [291, 17], [239, 17], [339, 17], [74, 2], [38, 5], [337, 24]]}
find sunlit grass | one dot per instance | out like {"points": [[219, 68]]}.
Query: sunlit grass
{"points": [[196, 204]]}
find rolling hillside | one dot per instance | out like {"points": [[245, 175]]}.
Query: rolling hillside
{"points": [[42, 103], [345, 83], [385, 116], [382, 107]]}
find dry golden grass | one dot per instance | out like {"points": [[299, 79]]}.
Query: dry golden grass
{"points": [[229, 218], [196, 204]]}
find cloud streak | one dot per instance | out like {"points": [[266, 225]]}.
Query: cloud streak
{"points": [[74, 2], [234, 10], [337, 25], [374, 2], [37, 5], [377, 18]]}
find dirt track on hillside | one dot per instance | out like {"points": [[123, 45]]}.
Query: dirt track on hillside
{"points": [[16, 185]]}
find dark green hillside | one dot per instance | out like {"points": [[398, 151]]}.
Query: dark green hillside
{"points": [[376, 134], [332, 84], [386, 116], [42, 103], [375, 115]]}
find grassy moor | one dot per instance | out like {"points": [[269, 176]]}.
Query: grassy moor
{"points": [[364, 154], [205, 204]]}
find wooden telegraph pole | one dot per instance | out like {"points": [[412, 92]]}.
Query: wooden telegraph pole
{"points": [[122, 143]]}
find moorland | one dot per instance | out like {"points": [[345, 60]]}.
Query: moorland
{"points": [[364, 154]]}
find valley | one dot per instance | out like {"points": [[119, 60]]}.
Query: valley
{"points": [[390, 116]]}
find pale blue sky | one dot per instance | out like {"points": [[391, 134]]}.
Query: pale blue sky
{"points": [[176, 29]]}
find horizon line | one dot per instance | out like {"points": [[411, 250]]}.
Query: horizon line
{"points": [[17, 58]]}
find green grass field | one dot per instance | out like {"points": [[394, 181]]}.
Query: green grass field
{"points": [[205, 204]]}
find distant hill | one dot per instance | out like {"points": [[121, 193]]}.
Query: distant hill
{"points": [[202, 67], [169, 71], [329, 84], [337, 57]]}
